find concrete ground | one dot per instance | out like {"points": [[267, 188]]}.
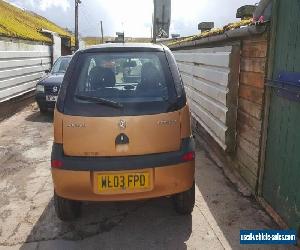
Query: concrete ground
{"points": [[28, 220]]}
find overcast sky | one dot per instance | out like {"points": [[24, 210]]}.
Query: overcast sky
{"points": [[134, 16]]}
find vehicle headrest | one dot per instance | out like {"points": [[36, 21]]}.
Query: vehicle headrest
{"points": [[100, 77], [150, 74]]}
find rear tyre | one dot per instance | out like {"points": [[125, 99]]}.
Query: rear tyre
{"points": [[184, 202], [43, 110], [65, 209]]}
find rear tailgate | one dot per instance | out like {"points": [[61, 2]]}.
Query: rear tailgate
{"points": [[96, 136]]}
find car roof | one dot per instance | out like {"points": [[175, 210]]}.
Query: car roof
{"points": [[124, 47], [68, 56]]}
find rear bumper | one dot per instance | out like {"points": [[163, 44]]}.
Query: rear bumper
{"points": [[75, 180], [167, 180], [41, 101], [121, 162]]}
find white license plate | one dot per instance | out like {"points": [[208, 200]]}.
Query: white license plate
{"points": [[51, 98]]}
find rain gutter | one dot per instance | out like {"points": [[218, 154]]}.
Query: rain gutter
{"points": [[226, 36]]}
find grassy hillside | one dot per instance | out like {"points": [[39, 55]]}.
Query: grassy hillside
{"points": [[18, 23], [94, 40]]}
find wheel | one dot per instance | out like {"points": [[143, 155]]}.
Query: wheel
{"points": [[43, 110], [65, 209], [184, 202]]}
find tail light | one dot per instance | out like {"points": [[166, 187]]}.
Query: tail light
{"points": [[56, 164], [190, 156]]}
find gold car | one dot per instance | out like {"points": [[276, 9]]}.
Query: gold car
{"points": [[122, 130]]}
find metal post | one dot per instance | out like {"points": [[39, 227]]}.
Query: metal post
{"points": [[154, 22], [102, 38], [77, 2]]}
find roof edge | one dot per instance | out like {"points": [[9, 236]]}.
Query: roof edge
{"points": [[110, 47], [4, 37], [226, 36]]}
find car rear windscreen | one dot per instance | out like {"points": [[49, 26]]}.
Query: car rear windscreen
{"points": [[139, 82], [123, 77]]}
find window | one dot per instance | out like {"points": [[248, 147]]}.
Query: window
{"points": [[61, 65], [123, 77]]}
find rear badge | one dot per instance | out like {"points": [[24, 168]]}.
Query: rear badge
{"points": [[76, 125], [167, 123], [55, 89], [122, 124]]}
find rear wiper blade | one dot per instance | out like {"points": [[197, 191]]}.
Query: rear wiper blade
{"points": [[100, 101]]}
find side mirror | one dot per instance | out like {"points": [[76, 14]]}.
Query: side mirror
{"points": [[47, 71]]}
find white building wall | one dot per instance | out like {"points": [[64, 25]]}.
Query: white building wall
{"points": [[56, 47]]}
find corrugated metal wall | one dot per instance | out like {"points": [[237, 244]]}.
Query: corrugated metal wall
{"points": [[210, 76], [21, 65]]}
